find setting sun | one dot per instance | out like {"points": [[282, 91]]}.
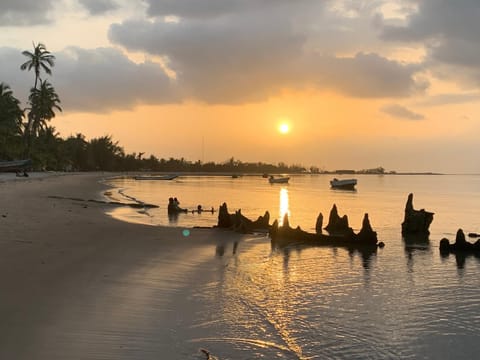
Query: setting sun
{"points": [[283, 128]]}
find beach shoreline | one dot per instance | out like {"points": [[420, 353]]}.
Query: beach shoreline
{"points": [[77, 282]]}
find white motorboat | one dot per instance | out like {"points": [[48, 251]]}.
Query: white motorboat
{"points": [[278, 180]]}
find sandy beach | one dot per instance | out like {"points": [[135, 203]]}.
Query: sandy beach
{"points": [[78, 284]]}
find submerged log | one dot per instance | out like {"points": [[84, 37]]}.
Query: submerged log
{"points": [[460, 245], [416, 222], [285, 235]]}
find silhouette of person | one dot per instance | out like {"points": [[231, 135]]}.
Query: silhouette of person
{"points": [[171, 206]]}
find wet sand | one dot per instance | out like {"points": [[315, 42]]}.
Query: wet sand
{"points": [[78, 284]]}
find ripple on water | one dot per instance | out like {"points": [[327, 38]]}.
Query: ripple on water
{"points": [[314, 303]]}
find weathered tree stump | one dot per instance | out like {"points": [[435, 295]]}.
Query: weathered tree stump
{"points": [[460, 245], [224, 218], [416, 222], [285, 235], [240, 223], [319, 224], [366, 233], [337, 224]]}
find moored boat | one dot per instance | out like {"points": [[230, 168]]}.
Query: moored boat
{"points": [[346, 184], [15, 165], [278, 180], [156, 177]]}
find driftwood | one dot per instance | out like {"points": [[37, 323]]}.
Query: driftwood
{"points": [[240, 223], [285, 235], [416, 222], [137, 204], [460, 245]]}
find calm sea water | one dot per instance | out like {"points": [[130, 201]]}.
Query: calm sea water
{"points": [[252, 301]]}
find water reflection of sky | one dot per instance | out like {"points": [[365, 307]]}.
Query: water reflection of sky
{"points": [[403, 301], [321, 302], [453, 199]]}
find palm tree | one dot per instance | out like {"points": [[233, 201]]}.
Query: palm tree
{"points": [[11, 116], [104, 153], [75, 152], [38, 60], [43, 102], [48, 146]]}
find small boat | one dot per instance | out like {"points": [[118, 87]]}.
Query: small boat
{"points": [[345, 184], [15, 165], [278, 180], [156, 177]]}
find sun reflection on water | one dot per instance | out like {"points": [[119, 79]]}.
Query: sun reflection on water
{"points": [[284, 207]]}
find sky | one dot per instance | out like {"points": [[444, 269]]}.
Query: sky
{"points": [[360, 83]]}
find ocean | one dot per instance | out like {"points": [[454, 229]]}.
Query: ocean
{"points": [[252, 301]]}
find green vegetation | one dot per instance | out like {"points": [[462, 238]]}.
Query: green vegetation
{"points": [[11, 117], [26, 133]]}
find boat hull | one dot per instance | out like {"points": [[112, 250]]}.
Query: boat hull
{"points": [[15, 165], [345, 184], [283, 180], [155, 177]]}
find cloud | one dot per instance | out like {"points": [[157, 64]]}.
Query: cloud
{"points": [[435, 18], [458, 52], [238, 58], [104, 79], [98, 7], [449, 99], [219, 60], [19, 81], [97, 80], [401, 112], [212, 8], [24, 12], [232, 52], [367, 75], [448, 30]]}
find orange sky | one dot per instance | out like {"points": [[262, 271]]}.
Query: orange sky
{"points": [[361, 85]]}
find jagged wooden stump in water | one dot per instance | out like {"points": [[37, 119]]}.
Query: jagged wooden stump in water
{"points": [[416, 222]]}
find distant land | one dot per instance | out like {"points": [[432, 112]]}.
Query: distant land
{"points": [[377, 171]]}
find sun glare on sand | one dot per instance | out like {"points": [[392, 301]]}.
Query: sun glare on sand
{"points": [[283, 128]]}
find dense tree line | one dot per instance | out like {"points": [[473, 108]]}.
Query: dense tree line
{"points": [[26, 133]]}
